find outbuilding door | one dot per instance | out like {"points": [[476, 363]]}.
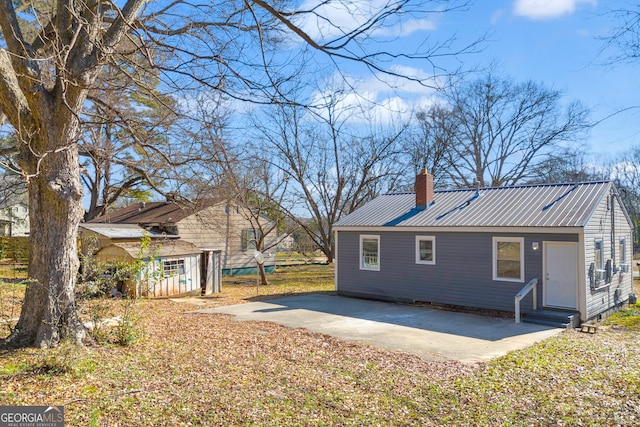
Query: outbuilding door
{"points": [[211, 271], [560, 275]]}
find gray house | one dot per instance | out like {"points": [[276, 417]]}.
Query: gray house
{"points": [[569, 244]]}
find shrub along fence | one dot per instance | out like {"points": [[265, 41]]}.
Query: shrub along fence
{"points": [[14, 248]]}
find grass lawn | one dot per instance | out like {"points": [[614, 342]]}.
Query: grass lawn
{"points": [[197, 369]]}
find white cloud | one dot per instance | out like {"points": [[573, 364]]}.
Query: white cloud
{"points": [[381, 100], [547, 9], [623, 170], [336, 18], [407, 28]]}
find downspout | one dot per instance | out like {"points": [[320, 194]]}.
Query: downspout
{"points": [[228, 240], [613, 229]]}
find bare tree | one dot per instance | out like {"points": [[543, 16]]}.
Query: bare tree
{"points": [[258, 190], [503, 129], [568, 164], [625, 173], [621, 44], [243, 177], [234, 47], [336, 166], [428, 146]]}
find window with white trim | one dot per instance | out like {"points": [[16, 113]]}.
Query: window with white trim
{"points": [[425, 250], [598, 255], [508, 259], [173, 267], [369, 252], [599, 274], [622, 255]]}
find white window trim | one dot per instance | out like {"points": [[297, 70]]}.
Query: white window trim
{"points": [[602, 258], [622, 247], [174, 267], [433, 246], [361, 259], [495, 258]]}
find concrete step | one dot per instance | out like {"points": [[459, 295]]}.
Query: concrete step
{"points": [[554, 318]]}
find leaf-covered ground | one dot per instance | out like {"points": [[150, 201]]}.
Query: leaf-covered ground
{"points": [[203, 369]]}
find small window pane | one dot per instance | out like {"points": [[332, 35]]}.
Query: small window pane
{"points": [[509, 250], [509, 269], [426, 250], [370, 253], [598, 254], [173, 267], [250, 239]]}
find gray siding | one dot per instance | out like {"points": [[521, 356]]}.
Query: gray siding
{"points": [[462, 275], [599, 227]]}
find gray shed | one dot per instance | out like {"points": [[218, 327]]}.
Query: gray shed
{"points": [[562, 248]]}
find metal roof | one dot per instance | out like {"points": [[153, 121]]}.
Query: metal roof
{"points": [[124, 231], [549, 205]]}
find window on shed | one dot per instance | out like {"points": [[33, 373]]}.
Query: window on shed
{"points": [[508, 259], [250, 239], [425, 250], [173, 267], [622, 253], [369, 252], [598, 254], [598, 261]]}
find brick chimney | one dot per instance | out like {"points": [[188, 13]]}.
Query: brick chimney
{"points": [[424, 188]]}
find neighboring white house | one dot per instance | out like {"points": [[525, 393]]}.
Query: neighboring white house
{"points": [[14, 219]]}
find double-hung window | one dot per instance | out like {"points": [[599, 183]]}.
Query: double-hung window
{"points": [[598, 259], [508, 259], [425, 250], [250, 238], [369, 252], [622, 255]]}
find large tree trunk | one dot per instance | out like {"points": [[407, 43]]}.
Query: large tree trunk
{"points": [[49, 311]]}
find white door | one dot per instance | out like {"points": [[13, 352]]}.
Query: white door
{"points": [[560, 275]]}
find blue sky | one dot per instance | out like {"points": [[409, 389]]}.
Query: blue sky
{"points": [[554, 42]]}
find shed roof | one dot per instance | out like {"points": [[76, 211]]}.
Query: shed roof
{"points": [[153, 213], [549, 205], [124, 231], [162, 249]]}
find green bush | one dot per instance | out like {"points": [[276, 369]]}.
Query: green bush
{"points": [[14, 248]]}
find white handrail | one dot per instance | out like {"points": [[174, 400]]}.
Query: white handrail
{"points": [[523, 292]]}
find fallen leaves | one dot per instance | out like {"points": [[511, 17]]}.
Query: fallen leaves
{"points": [[205, 369]]}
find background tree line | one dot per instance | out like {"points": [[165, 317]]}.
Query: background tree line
{"points": [[307, 167]]}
